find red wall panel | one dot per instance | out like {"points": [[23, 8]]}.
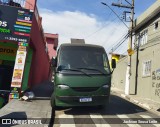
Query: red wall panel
{"points": [[40, 66]]}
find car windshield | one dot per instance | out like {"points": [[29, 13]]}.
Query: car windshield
{"points": [[92, 60]]}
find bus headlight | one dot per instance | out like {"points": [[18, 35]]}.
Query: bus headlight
{"points": [[105, 86], [63, 87]]}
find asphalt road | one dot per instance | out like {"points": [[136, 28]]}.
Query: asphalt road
{"points": [[120, 113]]}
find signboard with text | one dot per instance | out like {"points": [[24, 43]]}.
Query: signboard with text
{"points": [[15, 24], [7, 51], [18, 69], [17, 77]]}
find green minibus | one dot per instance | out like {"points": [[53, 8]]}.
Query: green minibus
{"points": [[82, 76]]}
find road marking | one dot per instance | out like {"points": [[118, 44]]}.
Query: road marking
{"points": [[130, 125], [99, 122], [66, 120], [148, 117]]}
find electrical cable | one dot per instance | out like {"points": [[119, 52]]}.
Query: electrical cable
{"points": [[112, 10], [101, 27], [116, 41], [120, 43], [122, 46]]}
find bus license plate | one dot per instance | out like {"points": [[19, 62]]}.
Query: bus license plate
{"points": [[85, 99]]}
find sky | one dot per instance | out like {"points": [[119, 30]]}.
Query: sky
{"points": [[89, 20]]}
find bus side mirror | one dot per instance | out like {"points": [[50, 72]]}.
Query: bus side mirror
{"points": [[54, 62], [113, 63]]}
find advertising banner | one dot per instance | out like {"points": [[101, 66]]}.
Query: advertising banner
{"points": [[18, 69], [15, 24]]}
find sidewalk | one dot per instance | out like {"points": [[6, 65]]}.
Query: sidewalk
{"points": [[142, 102], [37, 109]]}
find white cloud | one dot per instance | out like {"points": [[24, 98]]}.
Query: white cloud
{"points": [[80, 25]]}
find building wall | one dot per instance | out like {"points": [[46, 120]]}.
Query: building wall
{"points": [[40, 65], [51, 44], [149, 13], [30, 4], [119, 74], [147, 86], [153, 34]]}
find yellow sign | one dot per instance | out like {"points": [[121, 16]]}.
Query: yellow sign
{"points": [[10, 51], [130, 52]]}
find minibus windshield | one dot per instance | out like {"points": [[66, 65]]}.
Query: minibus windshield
{"points": [[91, 59]]}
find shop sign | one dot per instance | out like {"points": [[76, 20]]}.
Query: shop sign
{"points": [[9, 51], [18, 69], [15, 23]]}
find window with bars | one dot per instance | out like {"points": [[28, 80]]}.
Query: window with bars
{"points": [[142, 38], [146, 68]]}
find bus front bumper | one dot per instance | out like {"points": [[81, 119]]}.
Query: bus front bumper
{"points": [[81, 100]]}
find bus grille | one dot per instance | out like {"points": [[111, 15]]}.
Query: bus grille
{"points": [[85, 89]]}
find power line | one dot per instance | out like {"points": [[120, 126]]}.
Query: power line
{"points": [[119, 40], [124, 37], [122, 46], [120, 43], [111, 33], [114, 13], [101, 27]]}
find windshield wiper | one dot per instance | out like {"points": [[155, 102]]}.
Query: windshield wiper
{"points": [[72, 69], [94, 70]]}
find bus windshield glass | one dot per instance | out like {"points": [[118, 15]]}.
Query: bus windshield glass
{"points": [[91, 59]]}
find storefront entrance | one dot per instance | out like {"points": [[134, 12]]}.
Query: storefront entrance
{"points": [[6, 71], [8, 53], [7, 61]]}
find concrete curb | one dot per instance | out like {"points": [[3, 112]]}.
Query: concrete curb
{"points": [[146, 106], [137, 102]]}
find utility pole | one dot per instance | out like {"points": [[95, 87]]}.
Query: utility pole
{"points": [[128, 72]]}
